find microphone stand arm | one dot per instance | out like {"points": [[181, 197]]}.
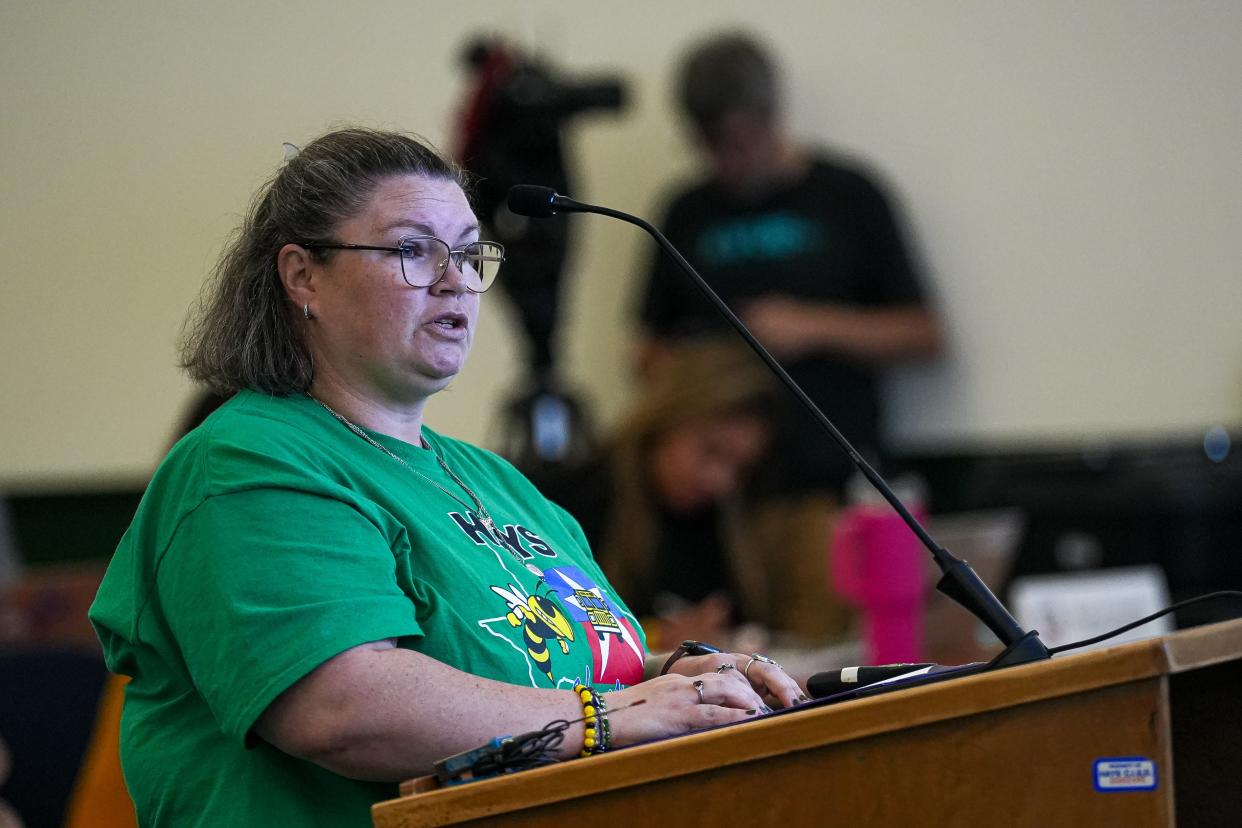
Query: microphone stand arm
{"points": [[958, 580]]}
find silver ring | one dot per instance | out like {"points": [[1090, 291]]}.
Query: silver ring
{"points": [[757, 657], [698, 685], [724, 668]]}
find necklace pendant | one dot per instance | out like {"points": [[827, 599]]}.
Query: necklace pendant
{"points": [[488, 523]]}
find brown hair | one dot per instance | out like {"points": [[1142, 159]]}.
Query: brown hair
{"points": [[705, 379], [725, 73], [243, 333]]}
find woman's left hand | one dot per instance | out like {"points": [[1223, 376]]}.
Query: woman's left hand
{"points": [[762, 674]]}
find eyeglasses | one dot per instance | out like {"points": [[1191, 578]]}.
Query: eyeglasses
{"points": [[425, 259]]}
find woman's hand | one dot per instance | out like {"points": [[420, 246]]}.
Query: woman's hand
{"points": [[766, 678], [673, 705]]}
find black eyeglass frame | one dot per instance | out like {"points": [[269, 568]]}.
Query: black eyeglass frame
{"points": [[454, 256]]}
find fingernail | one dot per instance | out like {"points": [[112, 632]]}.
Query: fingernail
{"points": [[751, 712], [803, 698]]}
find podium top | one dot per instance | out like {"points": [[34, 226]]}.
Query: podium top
{"points": [[817, 725]]}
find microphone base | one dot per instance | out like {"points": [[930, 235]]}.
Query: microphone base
{"points": [[1026, 649]]}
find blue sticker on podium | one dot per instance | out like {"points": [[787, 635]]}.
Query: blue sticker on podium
{"points": [[1122, 774]]}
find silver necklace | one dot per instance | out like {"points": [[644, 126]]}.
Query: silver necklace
{"points": [[478, 509]]}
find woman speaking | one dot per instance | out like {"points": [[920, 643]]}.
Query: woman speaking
{"points": [[319, 595]]}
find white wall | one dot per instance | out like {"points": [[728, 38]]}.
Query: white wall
{"points": [[1071, 173]]}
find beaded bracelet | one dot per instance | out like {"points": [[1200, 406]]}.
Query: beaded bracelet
{"points": [[597, 735], [605, 729]]}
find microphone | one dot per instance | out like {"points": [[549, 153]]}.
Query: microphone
{"points": [[863, 681], [830, 682], [958, 581], [533, 201]]}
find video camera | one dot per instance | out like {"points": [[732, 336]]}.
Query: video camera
{"points": [[510, 132]]}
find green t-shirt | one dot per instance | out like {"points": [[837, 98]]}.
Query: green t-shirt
{"points": [[271, 539]]}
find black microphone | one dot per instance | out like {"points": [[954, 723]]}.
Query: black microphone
{"points": [[958, 581], [534, 201], [831, 682], [867, 680]]}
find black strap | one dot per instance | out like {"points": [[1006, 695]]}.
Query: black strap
{"points": [[688, 648]]}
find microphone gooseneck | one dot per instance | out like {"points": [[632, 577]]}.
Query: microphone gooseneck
{"points": [[958, 581]]}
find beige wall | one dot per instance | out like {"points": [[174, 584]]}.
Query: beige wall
{"points": [[1071, 172]]}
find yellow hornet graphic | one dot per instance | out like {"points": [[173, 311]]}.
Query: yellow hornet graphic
{"points": [[540, 619]]}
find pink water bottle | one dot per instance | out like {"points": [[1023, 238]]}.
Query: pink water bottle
{"points": [[878, 565]]}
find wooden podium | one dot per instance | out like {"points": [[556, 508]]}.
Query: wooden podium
{"points": [[1017, 747]]}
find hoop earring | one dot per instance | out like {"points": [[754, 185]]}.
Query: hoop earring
{"points": [[306, 312]]}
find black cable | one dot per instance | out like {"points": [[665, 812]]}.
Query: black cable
{"points": [[1211, 596], [514, 753], [528, 750]]}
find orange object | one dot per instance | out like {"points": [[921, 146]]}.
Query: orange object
{"points": [[100, 798]]}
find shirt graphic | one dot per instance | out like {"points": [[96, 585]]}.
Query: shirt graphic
{"points": [[544, 626], [615, 646]]}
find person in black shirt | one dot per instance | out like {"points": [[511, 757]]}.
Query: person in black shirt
{"points": [[805, 249]]}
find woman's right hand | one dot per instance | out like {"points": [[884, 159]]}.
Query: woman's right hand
{"points": [[672, 706]]}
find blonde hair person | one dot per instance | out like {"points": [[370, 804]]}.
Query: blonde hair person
{"points": [[698, 427], [671, 506]]}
